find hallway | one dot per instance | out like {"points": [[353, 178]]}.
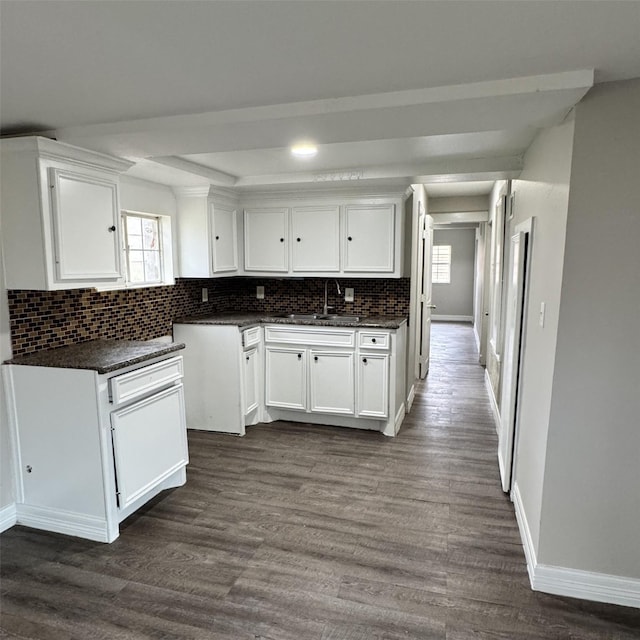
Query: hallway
{"points": [[300, 532]]}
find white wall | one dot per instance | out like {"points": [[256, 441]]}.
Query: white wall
{"points": [[7, 488], [591, 502], [542, 192], [456, 298], [457, 204]]}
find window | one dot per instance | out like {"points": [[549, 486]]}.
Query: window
{"points": [[147, 249], [441, 264]]}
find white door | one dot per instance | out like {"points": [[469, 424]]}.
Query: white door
{"points": [[250, 379], [286, 378], [331, 379], [266, 239], [511, 356], [373, 385], [370, 239], [425, 306], [149, 443], [315, 238], [86, 227], [224, 240]]}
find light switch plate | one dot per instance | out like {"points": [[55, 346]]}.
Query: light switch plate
{"points": [[205, 294], [348, 294], [260, 293], [543, 308]]}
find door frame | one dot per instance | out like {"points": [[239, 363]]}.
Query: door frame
{"points": [[511, 389]]}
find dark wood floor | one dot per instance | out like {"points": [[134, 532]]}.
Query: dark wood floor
{"points": [[298, 532]]}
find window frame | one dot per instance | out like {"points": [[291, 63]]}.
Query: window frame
{"points": [[436, 274], [165, 249]]}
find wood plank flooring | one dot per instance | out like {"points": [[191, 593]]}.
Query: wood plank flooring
{"points": [[300, 532]]}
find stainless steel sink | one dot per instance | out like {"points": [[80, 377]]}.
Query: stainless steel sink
{"points": [[339, 318], [299, 316]]}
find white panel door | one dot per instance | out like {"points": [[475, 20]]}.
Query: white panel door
{"points": [[373, 385], [266, 239], [149, 443], [86, 227], [315, 238], [331, 378], [286, 378], [511, 357], [224, 240], [250, 378], [370, 232]]}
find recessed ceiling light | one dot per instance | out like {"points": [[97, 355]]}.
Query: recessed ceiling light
{"points": [[304, 150]]}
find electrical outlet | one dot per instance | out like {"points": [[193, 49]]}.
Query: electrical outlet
{"points": [[260, 293], [205, 294], [348, 294]]}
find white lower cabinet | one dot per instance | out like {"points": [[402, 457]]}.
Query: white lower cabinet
{"points": [[251, 378], [331, 382], [223, 376], [373, 385], [286, 378], [94, 448]]}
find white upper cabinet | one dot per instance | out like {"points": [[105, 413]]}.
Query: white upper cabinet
{"points": [[266, 233], [370, 238], [208, 232], [60, 215], [224, 232], [86, 226], [315, 238]]}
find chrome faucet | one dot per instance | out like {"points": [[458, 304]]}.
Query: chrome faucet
{"points": [[325, 309]]}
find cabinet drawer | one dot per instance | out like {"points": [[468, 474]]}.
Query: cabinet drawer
{"points": [[315, 336], [251, 336], [374, 340], [141, 382]]}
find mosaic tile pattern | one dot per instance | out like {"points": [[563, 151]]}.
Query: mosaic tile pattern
{"points": [[49, 319]]}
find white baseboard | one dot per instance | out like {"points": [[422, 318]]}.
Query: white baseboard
{"points": [[573, 583], [59, 521], [411, 397], [7, 517], [445, 318], [493, 402], [397, 422]]}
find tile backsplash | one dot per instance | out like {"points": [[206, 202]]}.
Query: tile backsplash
{"points": [[49, 319]]}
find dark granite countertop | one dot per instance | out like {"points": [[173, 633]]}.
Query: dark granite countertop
{"points": [[246, 320], [103, 356]]}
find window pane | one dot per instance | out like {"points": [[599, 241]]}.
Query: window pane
{"points": [[134, 226], [136, 266], [150, 233], [152, 266], [134, 242], [441, 264]]}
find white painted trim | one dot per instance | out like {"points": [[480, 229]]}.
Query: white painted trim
{"points": [[60, 521], [7, 517], [525, 532], [493, 402], [398, 421], [588, 585], [411, 397], [445, 318], [572, 583], [476, 335]]}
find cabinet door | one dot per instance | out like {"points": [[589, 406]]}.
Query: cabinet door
{"points": [[86, 227], [331, 382], [286, 379], [250, 379], [373, 385], [370, 238], [266, 239], [149, 443], [224, 240], [315, 238]]}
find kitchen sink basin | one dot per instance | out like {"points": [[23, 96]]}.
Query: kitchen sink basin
{"points": [[335, 317], [299, 316], [339, 317]]}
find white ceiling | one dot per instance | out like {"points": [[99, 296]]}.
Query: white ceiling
{"points": [[201, 92]]}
